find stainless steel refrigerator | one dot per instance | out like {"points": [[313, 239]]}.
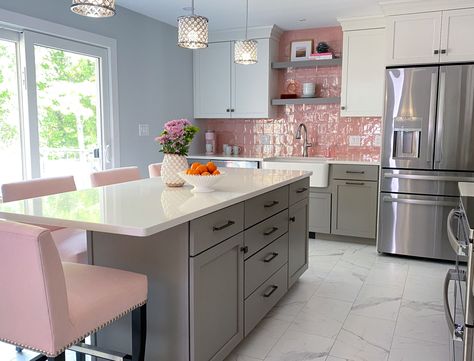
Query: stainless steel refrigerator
{"points": [[428, 147]]}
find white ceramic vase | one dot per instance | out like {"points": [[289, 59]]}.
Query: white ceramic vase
{"points": [[172, 165]]}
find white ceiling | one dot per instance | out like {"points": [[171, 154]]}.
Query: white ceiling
{"points": [[229, 14]]}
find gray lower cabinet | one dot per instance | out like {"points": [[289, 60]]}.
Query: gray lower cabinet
{"points": [[354, 210], [298, 240], [216, 300], [320, 212]]}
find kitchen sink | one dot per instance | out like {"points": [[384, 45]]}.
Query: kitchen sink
{"points": [[319, 167]]}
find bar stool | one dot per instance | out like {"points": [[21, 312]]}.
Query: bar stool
{"points": [[114, 176], [154, 170], [71, 243], [48, 306]]}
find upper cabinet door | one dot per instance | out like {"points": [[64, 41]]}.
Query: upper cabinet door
{"points": [[456, 39], [414, 38], [363, 73], [251, 85], [212, 81]]}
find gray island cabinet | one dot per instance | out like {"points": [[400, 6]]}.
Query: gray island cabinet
{"points": [[214, 278]]}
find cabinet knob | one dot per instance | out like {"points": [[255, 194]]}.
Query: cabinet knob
{"points": [[443, 51], [436, 52], [244, 249], [343, 107], [293, 219]]}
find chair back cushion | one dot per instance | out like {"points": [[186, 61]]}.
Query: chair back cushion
{"points": [[114, 176], [37, 188], [154, 170], [33, 303]]}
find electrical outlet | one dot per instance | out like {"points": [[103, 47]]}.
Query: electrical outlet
{"points": [[143, 130], [378, 140], [265, 139], [354, 140]]}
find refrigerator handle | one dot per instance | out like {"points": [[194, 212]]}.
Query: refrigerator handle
{"points": [[431, 120], [456, 330], [460, 249], [440, 128]]}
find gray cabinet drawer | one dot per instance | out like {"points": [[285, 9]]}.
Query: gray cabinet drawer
{"points": [[357, 172], [213, 228], [264, 233], [259, 208], [264, 263], [264, 298], [299, 190]]}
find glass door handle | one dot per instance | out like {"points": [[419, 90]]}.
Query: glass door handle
{"points": [[108, 155], [96, 153]]}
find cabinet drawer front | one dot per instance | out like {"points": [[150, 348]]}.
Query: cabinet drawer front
{"points": [[213, 228], [264, 263], [266, 232], [264, 298], [358, 172], [266, 205], [299, 190]]}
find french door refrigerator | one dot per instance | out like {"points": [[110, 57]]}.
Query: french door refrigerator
{"points": [[428, 147]]}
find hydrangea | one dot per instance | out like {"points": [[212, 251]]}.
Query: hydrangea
{"points": [[177, 136]]}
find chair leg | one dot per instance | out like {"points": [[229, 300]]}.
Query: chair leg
{"points": [[61, 357], [18, 349], [139, 333], [81, 356]]}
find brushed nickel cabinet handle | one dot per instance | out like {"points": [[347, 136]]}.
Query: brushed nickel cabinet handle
{"points": [[271, 204], [272, 289], [301, 190], [220, 228], [271, 231], [355, 183], [355, 172], [270, 257]]}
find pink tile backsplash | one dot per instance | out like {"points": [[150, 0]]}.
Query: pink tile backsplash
{"points": [[328, 131]]}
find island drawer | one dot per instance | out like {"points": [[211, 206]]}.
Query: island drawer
{"points": [[299, 190], [264, 233], [209, 230], [264, 298], [264, 263], [355, 172], [259, 208]]}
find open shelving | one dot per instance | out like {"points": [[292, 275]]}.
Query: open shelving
{"points": [[306, 63]]}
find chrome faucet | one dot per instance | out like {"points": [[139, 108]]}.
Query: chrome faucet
{"points": [[306, 145]]}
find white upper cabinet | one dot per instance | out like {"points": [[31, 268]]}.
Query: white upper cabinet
{"points": [[457, 43], [212, 81], [363, 72], [414, 38], [431, 37]]}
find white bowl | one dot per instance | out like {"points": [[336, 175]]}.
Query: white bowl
{"points": [[202, 183]]}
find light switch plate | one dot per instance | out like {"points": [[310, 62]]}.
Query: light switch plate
{"points": [[354, 140], [265, 139], [143, 130], [378, 140]]}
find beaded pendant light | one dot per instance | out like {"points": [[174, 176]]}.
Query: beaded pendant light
{"points": [[94, 8], [193, 31], [245, 51]]}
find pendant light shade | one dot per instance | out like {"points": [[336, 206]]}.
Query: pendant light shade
{"points": [[94, 8], [193, 31], [245, 51]]}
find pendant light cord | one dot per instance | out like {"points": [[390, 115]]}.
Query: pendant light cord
{"points": [[192, 6], [246, 21]]}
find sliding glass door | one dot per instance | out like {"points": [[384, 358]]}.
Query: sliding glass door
{"points": [[54, 107]]}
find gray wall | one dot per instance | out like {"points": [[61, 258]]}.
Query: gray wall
{"points": [[154, 74]]}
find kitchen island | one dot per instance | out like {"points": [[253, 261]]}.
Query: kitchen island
{"points": [[216, 262]]}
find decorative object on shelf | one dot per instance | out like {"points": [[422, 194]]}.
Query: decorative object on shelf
{"points": [[309, 90], [94, 8], [193, 31], [245, 51], [210, 136], [301, 50], [322, 47], [321, 56], [288, 96], [175, 140]]}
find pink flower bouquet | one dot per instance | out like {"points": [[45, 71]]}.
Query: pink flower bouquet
{"points": [[177, 136]]}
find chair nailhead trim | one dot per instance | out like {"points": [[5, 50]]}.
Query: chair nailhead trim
{"points": [[77, 340]]}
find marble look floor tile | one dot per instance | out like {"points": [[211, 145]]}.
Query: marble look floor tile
{"points": [[261, 340], [422, 321], [286, 311], [424, 289], [322, 316], [388, 274], [236, 357], [378, 301], [332, 358], [299, 346], [348, 272], [339, 290], [407, 349]]}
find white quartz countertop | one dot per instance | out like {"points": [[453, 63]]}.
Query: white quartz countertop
{"points": [[262, 159], [144, 207]]}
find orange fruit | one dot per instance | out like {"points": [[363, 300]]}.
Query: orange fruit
{"points": [[201, 169], [194, 172], [188, 171], [211, 166], [216, 172], [205, 173], [195, 165]]}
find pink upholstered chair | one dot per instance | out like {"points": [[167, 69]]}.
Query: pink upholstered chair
{"points": [[71, 243], [114, 176], [154, 170], [48, 306]]}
